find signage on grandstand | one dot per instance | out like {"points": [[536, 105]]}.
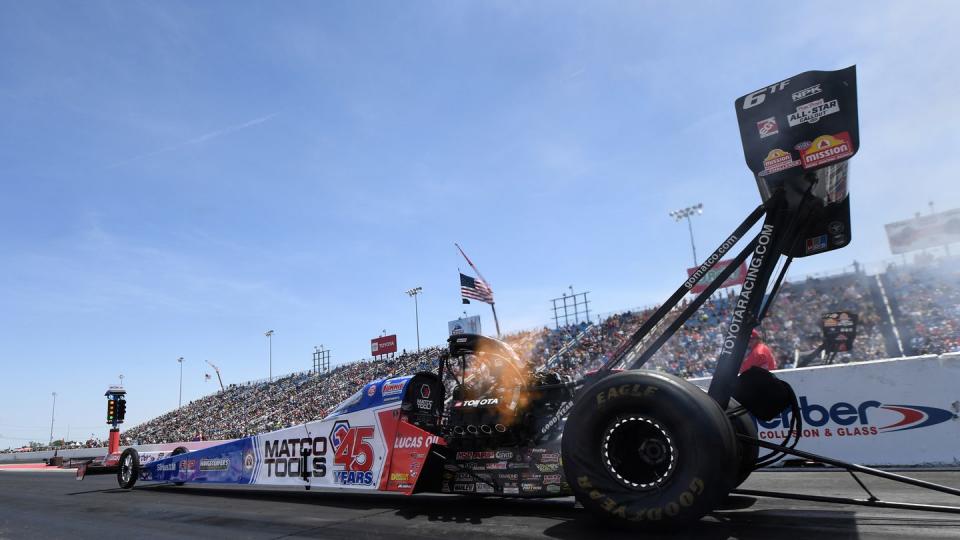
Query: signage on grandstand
{"points": [[923, 232], [736, 278], [839, 331], [466, 325], [383, 345], [901, 412]]}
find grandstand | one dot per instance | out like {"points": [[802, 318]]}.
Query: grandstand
{"points": [[922, 317]]}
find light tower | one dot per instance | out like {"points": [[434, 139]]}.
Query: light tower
{"points": [[414, 292], [685, 213]]}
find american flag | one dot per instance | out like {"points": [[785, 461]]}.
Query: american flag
{"points": [[476, 289]]}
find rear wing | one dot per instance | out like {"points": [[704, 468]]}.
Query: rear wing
{"points": [[799, 130]]}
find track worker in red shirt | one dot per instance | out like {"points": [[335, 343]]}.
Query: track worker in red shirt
{"points": [[760, 355]]}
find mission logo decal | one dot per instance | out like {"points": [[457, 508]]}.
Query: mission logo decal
{"points": [[827, 149]]}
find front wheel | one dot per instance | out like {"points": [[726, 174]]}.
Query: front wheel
{"points": [[129, 468], [176, 452], [648, 449]]}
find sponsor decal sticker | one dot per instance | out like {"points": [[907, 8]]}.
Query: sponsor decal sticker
{"points": [[810, 113], [548, 467], [504, 455], [392, 387], [214, 464], [806, 92], [869, 418], [778, 160], [399, 477], [553, 488], [464, 487], [817, 243], [248, 461], [550, 458], [551, 479], [768, 127], [166, 467], [372, 390], [415, 441], [188, 465], [511, 489], [284, 457], [464, 456], [485, 402], [353, 454], [498, 466], [827, 149], [484, 488]]}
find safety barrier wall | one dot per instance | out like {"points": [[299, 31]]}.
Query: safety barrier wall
{"points": [[82, 453], [901, 412]]}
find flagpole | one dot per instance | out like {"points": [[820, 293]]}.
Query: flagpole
{"points": [[495, 321], [475, 269]]}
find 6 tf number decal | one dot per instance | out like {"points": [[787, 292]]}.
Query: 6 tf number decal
{"points": [[756, 98]]}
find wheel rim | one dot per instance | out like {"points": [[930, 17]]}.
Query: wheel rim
{"points": [[126, 468], [638, 452]]}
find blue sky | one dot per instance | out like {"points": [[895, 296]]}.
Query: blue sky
{"points": [[180, 177]]}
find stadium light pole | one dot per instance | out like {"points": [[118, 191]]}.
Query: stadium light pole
{"points": [[52, 412], [685, 213], [269, 334], [180, 398], [416, 310]]}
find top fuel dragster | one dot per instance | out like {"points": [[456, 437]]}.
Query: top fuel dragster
{"points": [[634, 446]]}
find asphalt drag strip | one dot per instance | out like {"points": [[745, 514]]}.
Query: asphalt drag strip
{"points": [[40, 504]]}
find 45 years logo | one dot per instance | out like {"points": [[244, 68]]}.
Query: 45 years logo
{"points": [[353, 453]]}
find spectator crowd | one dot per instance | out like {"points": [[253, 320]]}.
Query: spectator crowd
{"points": [[926, 304]]}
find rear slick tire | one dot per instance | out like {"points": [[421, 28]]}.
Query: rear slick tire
{"points": [[129, 470], [648, 450]]}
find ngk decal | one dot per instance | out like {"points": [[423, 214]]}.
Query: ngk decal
{"points": [[806, 92], [842, 419]]}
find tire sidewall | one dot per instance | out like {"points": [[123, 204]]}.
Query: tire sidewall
{"points": [[134, 468], [701, 435]]}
